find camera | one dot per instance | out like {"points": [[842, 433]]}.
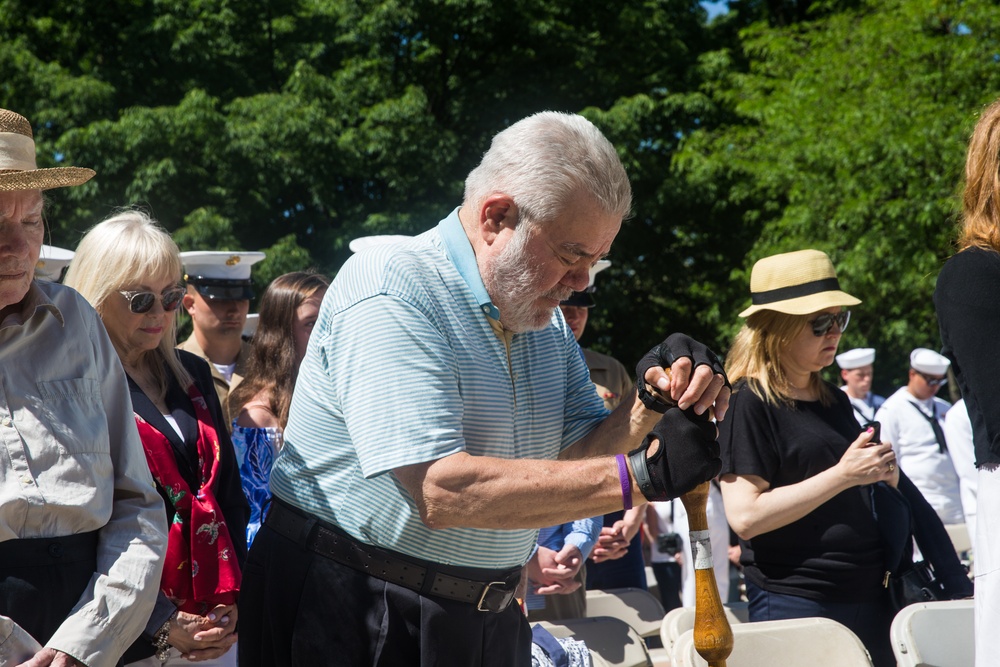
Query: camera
{"points": [[670, 543]]}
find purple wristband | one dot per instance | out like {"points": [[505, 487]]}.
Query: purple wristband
{"points": [[625, 480]]}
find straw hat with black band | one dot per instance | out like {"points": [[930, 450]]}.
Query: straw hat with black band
{"points": [[18, 169], [796, 283]]}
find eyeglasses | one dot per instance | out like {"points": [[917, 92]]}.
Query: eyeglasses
{"points": [[824, 324], [142, 302], [932, 381]]}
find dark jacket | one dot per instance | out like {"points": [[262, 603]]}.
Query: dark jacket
{"points": [[229, 491]]}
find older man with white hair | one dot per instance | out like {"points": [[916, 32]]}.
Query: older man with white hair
{"points": [[82, 530], [913, 422], [439, 389]]}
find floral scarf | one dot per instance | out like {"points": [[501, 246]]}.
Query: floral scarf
{"points": [[200, 570]]}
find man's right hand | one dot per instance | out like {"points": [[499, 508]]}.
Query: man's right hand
{"points": [[696, 377], [677, 455]]}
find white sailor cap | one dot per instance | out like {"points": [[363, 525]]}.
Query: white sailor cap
{"points": [[929, 361], [250, 326], [51, 262], [585, 298], [220, 274], [366, 242], [856, 358]]}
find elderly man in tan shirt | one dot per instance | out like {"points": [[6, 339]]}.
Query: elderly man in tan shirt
{"points": [[82, 530]]}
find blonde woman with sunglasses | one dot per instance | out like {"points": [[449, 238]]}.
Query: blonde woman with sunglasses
{"points": [[798, 469], [129, 269]]}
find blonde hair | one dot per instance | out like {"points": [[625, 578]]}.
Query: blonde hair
{"points": [[118, 252], [981, 199], [756, 357]]}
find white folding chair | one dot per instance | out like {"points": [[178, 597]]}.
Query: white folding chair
{"points": [[640, 609], [816, 642], [611, 642], [680, 620], [935, 634], [962, 541]]}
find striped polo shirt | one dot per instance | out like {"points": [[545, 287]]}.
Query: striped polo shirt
{"points": [[403, 367]]}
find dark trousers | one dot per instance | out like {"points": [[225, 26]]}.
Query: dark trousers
{"points": [[668, 579], [299, 608], [42, 579], [870, 621]]}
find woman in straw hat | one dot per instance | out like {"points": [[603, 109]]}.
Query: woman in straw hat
{"points": [[82, 532], [130, 271], [969, 317], [796, 472]]}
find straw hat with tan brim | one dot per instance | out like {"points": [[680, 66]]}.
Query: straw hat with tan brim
{"points": [[796, 283], [18, 170]]}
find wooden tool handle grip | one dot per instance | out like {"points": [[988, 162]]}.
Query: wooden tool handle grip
{"points": [[713, 637]]}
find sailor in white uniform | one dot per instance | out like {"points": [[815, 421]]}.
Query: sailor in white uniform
{"points": [[913, 422], [856, 370]]}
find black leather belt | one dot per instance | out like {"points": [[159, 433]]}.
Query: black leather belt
{"points": [[493, 591]]}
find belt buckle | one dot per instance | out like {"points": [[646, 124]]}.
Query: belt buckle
{"points": [[495, 600]]}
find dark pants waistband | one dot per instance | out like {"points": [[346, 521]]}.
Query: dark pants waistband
{"points": [[488, 590], [44, 551]]}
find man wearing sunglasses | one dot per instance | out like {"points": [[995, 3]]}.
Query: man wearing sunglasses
{"points": [[218, 300], [913, 422]]}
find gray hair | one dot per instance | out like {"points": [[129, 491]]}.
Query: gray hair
{"points": [[543, 160], [121, 251]]}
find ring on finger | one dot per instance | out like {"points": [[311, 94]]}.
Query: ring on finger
{"points": [[892, 466]]}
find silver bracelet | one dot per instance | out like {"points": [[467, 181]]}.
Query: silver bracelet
{"points": [[160, 640]]}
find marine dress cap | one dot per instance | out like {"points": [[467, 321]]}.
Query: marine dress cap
{"points": [[796, 283], [856, 358], [929, 361], [220, 274], [585, 299], [18, 169], [51, 262], [366, 242]]}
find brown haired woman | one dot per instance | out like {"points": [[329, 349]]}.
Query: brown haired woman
{"points": [[288, 311], [969, 317]]}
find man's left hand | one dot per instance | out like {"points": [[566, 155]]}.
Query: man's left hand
{"points": [[50, 656], [696, 376]]}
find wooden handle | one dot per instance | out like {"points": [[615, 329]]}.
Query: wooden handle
{"points": [[713, 638]]}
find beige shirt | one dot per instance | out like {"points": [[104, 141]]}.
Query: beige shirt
{"points": [[609, 376], [222, 388], [72, 462]]}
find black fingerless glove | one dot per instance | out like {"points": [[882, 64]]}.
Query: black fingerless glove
{"points": [[664, 355], [688, 455]]}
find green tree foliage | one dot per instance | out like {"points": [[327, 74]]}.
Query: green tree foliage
{"points": [[850, 138], [239, 124], [293, 126]]}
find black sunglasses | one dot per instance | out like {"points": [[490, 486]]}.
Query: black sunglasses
{"points": [[142, 302], [823, 324], [934, 382]]}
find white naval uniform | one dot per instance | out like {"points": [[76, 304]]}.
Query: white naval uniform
{"points": [[918, 452], [865, 408], [958, 430]]}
